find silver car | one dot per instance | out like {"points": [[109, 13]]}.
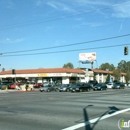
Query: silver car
{"points": [[47, 88]]}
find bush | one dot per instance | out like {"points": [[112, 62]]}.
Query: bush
{"points": [[4, 87]]}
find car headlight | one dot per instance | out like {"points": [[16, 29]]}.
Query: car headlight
{"points": [[64, 88]]}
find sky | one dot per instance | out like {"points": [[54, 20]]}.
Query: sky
{"points": [[50, 33]]}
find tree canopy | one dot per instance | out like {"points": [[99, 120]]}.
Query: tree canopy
{"points": [[117, 74], [124, 66], [107, 66], [68, 65]]}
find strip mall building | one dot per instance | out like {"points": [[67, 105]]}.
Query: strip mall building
{"points": [[62, 75]]}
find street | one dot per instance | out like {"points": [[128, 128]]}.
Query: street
{"points": [[94, 110]]}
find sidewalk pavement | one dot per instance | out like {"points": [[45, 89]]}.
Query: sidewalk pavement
{"points": [[15, 90]]}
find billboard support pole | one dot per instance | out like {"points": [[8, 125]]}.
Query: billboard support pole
{"points": [[91, 65]]}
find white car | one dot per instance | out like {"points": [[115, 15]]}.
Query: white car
{"points": [[129, 85], [110, 85]]}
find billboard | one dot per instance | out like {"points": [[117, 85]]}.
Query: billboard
{"points": [[87, 57]]}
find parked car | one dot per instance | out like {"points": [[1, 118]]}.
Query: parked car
{"points": [[5, 84], [118, 85], [128, 85], [110, 85], [92, 83], [38, 85], [80, 87], [47, 88], [12, 86], [100, 86], [64, 88]]}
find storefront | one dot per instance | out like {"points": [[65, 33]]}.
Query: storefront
{"points": [[58, 75]]}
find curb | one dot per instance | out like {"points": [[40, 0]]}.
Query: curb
{"points": [[21, 91], [18, 91]]}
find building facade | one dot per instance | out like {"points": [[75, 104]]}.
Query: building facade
{"points": [[58, 75]]}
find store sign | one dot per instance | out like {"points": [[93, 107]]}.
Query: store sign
{"points": [[43, 75], [57, 74]]}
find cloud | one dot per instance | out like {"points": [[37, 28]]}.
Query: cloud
{"points": [[61, 6], [90, 2], [39, 2], [10, 41], [52, 5], [92, 24], [10, 5], [122, 10]]}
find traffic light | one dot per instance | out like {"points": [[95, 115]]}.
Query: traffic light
{"points": [[13, 71], [126, 50]]}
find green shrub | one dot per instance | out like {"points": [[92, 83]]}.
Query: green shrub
{"points": [[4, 87]]}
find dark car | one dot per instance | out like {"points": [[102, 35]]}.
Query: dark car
{"points": [[56, 87], [47, 88], [80, 87], [100, 86], [92, 83], [118, 85], [64, 88]]}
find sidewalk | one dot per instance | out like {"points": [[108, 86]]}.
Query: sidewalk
{"points": [[15, 90]]}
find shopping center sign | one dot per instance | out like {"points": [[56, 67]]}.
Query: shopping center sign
{"points": [[87, 57]]}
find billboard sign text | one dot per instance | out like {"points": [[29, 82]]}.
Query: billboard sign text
{"points": [[87, 57]]}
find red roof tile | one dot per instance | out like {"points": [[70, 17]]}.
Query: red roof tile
{"points": [[105, 71], [48, 70]]}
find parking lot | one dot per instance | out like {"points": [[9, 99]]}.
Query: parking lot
{"points": [[93, 110]]}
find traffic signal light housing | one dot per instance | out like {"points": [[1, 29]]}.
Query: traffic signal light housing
{"points": [[126, 50], [13, 71]]}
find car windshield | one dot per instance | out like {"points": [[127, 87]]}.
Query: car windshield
{"points": [[64, 86], [91, 81], [98, 85], [117, 83], [109, 83], [47, 86]]}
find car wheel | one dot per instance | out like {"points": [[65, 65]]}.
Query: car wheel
{"points": [[80, 90], [57, 90], [48, 90], [67, 90], [41, 90]]}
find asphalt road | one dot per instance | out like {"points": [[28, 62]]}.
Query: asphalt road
{"points": [[94, 110]]}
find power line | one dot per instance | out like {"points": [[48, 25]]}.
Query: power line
{"points": [[103, 47], [97, 40]]}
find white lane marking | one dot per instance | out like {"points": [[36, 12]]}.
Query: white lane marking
{"points": [[96, 119]]}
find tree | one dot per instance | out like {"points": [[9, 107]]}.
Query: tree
{"points": [[108, 78], [127, 77], [68, 65], [106, 66], [117, 74], [125, 67], [3, 69]]}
